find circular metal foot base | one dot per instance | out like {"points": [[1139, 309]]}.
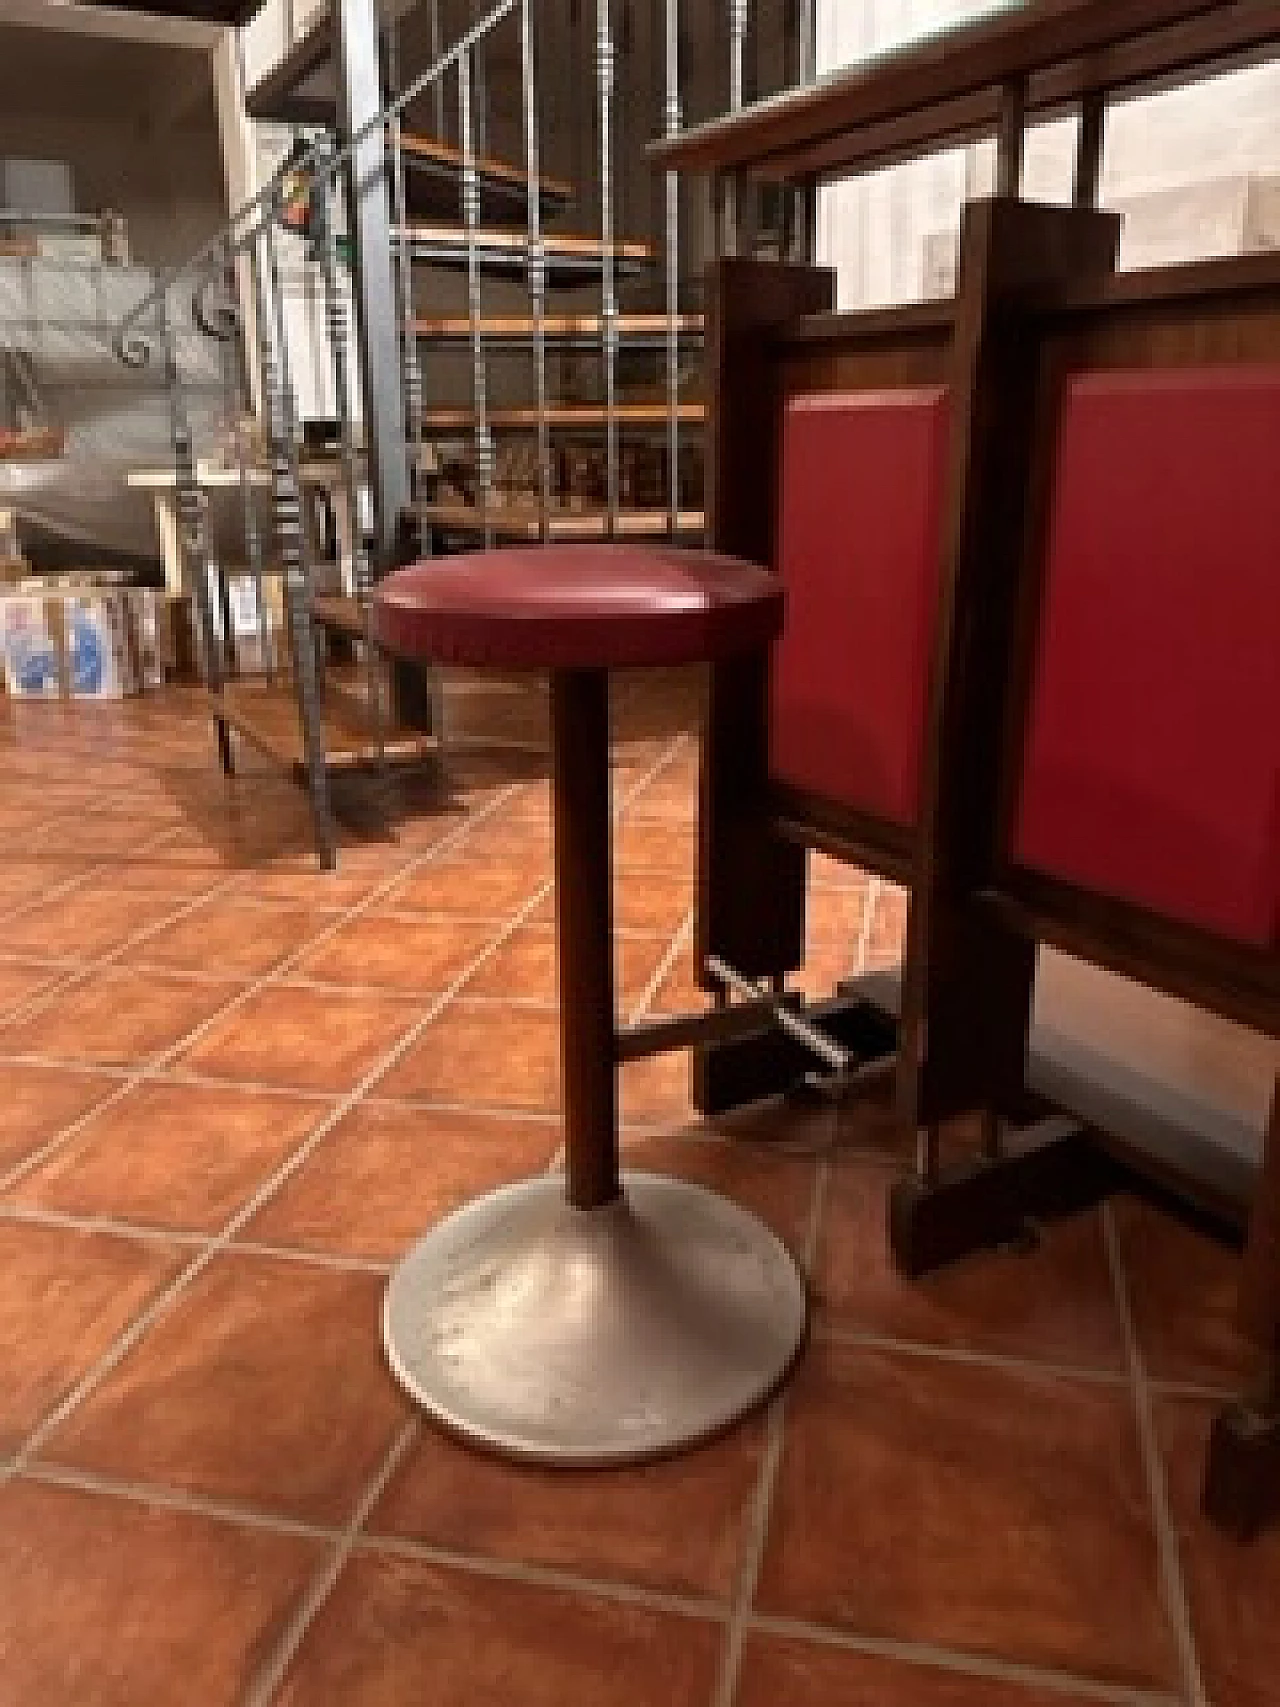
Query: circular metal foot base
{"points": [[601, 1336]]}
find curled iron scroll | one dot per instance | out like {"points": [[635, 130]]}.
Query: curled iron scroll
{"points": [[214, 308]]}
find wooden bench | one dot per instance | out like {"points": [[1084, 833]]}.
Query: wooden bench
{"points": [[1028, 537]]}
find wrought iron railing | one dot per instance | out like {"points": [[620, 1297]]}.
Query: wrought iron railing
{"points": [[238, 282]]}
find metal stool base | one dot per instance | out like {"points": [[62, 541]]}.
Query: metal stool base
{"points": [[593, 1337]]}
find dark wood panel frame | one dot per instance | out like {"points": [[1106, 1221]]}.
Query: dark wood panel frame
{"points": [[968, 977], [771, 334], [1217, 313], [1037, 300]]}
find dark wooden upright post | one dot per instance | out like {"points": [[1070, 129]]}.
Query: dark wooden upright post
{"points": [[967, 981], [751, 883], [584, 934]]}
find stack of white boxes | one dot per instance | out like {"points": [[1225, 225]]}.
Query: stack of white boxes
{"points": [[84, 642]]}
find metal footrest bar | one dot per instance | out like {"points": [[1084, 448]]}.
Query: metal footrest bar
{"points": [[839, 1059]]}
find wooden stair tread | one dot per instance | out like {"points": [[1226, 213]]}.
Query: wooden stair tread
{"points": [[557, 328], [522, 521], [265, 714], [431, 151], [339, 611], [562, 415], [497, 246]]}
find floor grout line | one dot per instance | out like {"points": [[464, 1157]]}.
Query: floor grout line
{"points": [[840, 1334], [1172, 1583], [168, 1498], [273, 1670], [87, 874], [296, 1633], [87, 970], [158, 1064], [38, 1215], [168, 1295], [963, 1664], [758, 1521], [682, 935], [545, 1576]]}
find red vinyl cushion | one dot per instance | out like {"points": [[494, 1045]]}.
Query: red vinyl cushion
{"points": [[577, 606], [1151, 768], [859, 547]]}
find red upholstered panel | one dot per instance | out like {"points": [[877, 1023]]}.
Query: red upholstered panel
{"points": [[859, 543], [1152, 759]]}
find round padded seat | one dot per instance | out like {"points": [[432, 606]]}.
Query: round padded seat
{"points": [[590, 1316], [564, 607]]}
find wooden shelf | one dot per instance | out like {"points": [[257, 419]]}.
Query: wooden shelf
{"points": [[34, 446], [945, 88], [562, 416], [339, 612], [562, 331], [520, 521], [265, 714], [508, 251]]}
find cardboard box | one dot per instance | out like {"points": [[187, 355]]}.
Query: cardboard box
{"points": [[101, 662], [44, 188], [31, 639], [70, 248]]}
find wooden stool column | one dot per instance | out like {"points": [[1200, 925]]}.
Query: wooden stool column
{"points": [[584, 934]]}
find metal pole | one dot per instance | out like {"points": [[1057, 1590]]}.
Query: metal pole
{"points": [[817, 1042], [608, 291], [336, 318], [673, 120], [730, 189], [480, 87], [235, 380], [359, 101], [537, 265], [411, 367], [804, 196], [437, 91], [291, 538], [190, 507], [479, 381]]}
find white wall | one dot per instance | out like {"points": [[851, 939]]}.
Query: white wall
{"points": [[166, 180]]}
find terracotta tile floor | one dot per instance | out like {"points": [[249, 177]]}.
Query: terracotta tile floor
{"points": [[232, 1091]]}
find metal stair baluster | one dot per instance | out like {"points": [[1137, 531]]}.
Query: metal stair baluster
{"points": [[287, 510], [537, 264], [336, 321], [191, 530], [672, 122], [730, 187], [605, 62], [410, 365], [471, 218], [239, 404]]}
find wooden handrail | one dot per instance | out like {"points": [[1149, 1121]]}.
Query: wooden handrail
{"points": [[945, 88]]}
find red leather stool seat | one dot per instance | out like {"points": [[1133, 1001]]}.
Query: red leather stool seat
{"points": [[566, 607]]}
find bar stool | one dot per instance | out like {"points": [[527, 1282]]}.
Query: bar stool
{"points": [[603, 1317]]}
